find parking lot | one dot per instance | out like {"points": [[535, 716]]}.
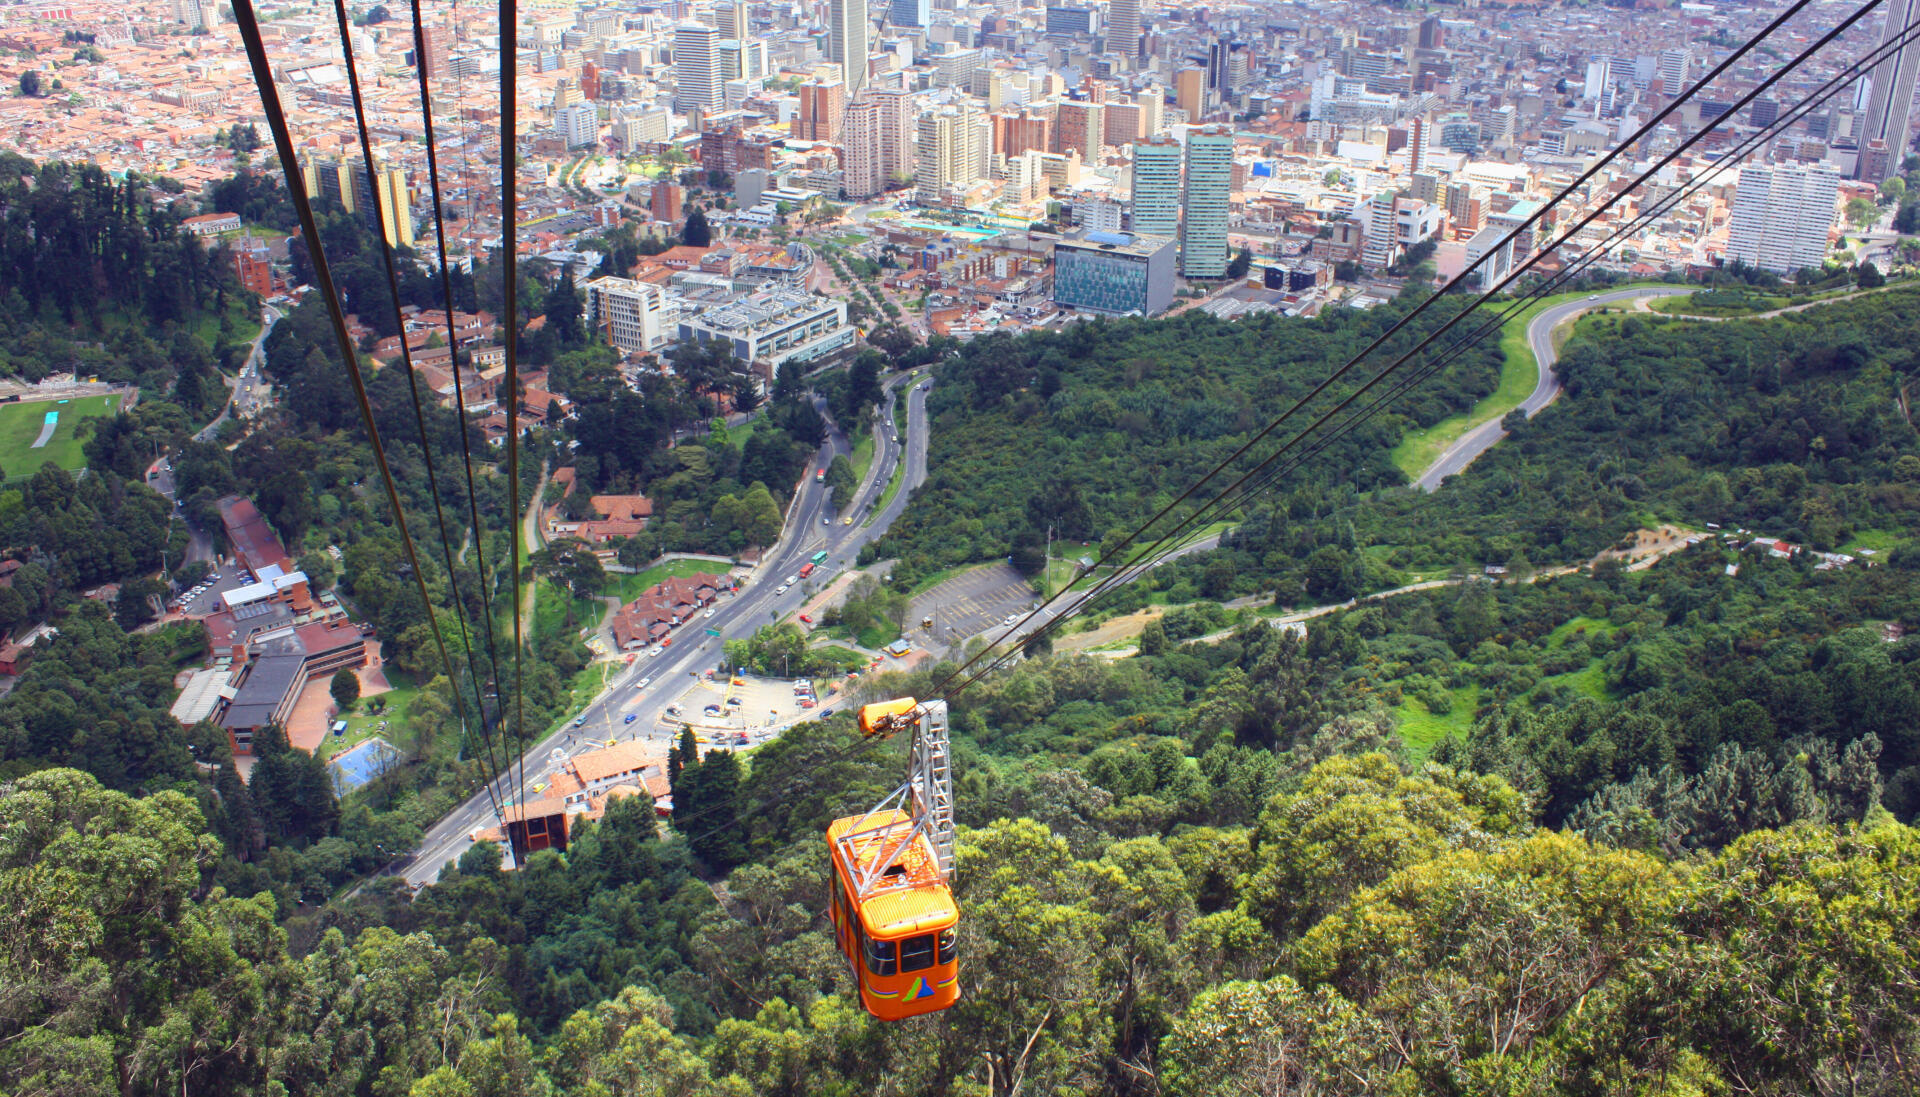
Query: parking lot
{"points": [[970, 603], [208, 600]]}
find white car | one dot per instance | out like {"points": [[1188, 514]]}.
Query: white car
{"points": [[792, 579], [709, 612], [644, 683], [653, 652], [781, 589]]}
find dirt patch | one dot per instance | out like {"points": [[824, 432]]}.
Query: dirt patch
{"points": [[1124, 627], [307, 724], [1650, 546]]}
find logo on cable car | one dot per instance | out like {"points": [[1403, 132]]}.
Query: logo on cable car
{"points": [[920, 989]]}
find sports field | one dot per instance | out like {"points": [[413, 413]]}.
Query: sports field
{"points": [[20, 426]]}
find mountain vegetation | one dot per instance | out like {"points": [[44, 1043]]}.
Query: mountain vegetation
{"points": [[1571, 829]]}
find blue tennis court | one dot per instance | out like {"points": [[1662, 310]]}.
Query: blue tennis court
{"points": [[362, 764]]}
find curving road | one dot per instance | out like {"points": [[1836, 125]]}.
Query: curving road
{"points": [[1545, 390], [644, 688]]}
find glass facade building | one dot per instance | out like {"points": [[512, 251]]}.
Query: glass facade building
{"points": [[1114, 273]]}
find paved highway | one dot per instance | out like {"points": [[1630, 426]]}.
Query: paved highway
{"points": [[645, 688], [1545, 390]]}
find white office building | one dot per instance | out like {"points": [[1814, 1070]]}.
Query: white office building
{"points": [[696, 68], [1782, 215], [628, 314]]}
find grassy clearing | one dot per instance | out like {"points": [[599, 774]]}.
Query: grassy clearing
{"points": [[1588, 681], [1419, 449], [1593, 627], [20, 425], [550, 611], [628, 587], [1684, 306], [877, 635], [1879, 540], [1421, 728]]}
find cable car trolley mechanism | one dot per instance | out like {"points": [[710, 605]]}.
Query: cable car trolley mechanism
{"points": [[891, 895]]}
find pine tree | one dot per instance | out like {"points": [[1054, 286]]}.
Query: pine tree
{"points": [[697, 234]]}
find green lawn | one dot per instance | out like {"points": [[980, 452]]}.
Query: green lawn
{"points": [[20, 424], [862, 457], [628, 587], [1518, 375], [363, 725], [1684, 306], [1421, 729], [877, 635]]}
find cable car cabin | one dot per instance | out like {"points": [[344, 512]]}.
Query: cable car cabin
{"points": [[900, 938]]}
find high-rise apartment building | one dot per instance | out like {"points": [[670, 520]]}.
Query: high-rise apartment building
{"points": [[1204, 202], [696, 68], [1077, 127], [578, 124], [847, 41], [949, 151], [822, 102], [1416, 144], [861, 174], [1156, 187], [910, 13], [1781, 216], [1433, 33], [1892, 95], [344, 179], [1024, 129], [897, 132], [730, 17]]}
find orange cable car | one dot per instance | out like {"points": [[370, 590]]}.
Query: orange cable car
{"points": [[890, 899]]}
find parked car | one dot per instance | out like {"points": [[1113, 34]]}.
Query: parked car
{"points": [[805, 620], [709, 612], [580, 721], [825, 712]]}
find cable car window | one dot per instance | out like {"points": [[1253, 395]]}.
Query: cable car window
{"points": [[916, 953], [948, 937], [882, 957]]}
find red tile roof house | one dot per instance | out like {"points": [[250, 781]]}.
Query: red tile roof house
{"points": [[650, 617]]}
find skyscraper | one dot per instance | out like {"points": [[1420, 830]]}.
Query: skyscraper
{"points": [[1892, 95], [933, 170], [730, 16], [896, 132], [696, 68], [1123, 28], [822, 102], [863, 173], [1676, 68], [910, 13], [1781, 215], [847, 41], [1156, 187], [1204, 201]]}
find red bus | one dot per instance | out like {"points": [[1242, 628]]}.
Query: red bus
{"points": [[806, 570]]}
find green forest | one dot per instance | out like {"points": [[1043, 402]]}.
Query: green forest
{"points": [[1574, 829]]}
